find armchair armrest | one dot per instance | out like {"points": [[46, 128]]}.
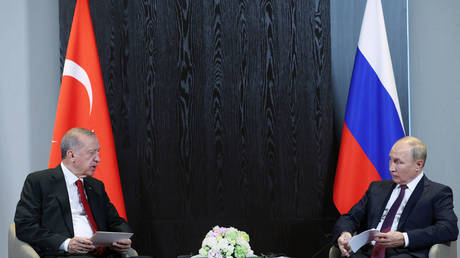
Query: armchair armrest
{"points": [[18, 248], [444, 250]]}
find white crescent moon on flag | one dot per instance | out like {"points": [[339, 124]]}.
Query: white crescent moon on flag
{"points": [[72, 69]]}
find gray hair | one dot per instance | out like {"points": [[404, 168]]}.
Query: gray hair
{"points": [[418, 148], [71, 141]]}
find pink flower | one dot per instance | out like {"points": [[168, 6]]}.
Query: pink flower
{"points": [[220, 231], [212, 254]]}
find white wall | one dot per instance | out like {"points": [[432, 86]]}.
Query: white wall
{"points": [[434, 29], [29, 83]]}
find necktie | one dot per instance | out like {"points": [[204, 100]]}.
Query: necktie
{"points": [[379, 251], [85, 204], [89, 213]]}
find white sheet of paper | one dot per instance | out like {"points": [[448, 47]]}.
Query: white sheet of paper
{"points": [[105, 238], [359, 240]]}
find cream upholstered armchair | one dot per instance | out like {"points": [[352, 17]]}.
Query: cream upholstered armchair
{"points": [[445, 250], [20, 249]]}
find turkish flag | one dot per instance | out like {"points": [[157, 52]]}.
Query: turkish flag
{"points": [[82, 103]]}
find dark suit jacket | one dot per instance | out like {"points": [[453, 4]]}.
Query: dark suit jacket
{"points": [[428, 217], [43, 217]]}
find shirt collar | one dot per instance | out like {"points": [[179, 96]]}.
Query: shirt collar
{"points": [[412, 184], [70, 178]]}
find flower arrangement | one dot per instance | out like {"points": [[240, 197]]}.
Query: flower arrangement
{"points": [[223, 242]]}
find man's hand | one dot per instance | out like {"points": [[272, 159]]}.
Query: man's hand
{"points": [[122, 246], [80, 245], [343, 243], [390, 240]]}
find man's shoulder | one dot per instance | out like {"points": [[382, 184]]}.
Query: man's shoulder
{"points": [[426, 181], [381, 183], [43, 174], [95, 184], [436, 186]]}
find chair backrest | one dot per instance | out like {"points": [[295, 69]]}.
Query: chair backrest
{"points": [[18, 248]]}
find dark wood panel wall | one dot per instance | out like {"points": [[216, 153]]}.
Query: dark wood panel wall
{"points": [[222, 115]]}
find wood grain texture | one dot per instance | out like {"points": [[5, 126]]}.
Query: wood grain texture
{"points": [[222, 115], [242, 83]]}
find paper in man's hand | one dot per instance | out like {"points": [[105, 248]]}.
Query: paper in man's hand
{"points": [[104, 238], [359, 240]]}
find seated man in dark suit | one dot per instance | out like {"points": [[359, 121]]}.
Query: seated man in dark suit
{"points": [[412, 212], [50, 214]]}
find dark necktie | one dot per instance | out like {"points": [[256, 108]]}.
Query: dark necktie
{"points": [[379, 251], [85, 204]]}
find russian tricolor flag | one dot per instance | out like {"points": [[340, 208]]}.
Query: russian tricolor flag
{"points": [[373, 121]]}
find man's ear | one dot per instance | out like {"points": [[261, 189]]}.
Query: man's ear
{"points": [[419, 164], [70, 154]]}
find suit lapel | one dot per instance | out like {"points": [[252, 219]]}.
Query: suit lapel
{"points": [[388, 187], [93, 199], [415, 196], [63, 197]]}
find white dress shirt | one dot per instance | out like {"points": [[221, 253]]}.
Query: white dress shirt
{"points": [[394, 195], [81, 225]]}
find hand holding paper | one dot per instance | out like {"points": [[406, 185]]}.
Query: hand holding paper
{"points": [[343, 243], [365, 237], [121, 246], [104, 238]]}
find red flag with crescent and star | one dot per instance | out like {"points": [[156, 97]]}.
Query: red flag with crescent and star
{"points": [[82, 103]]}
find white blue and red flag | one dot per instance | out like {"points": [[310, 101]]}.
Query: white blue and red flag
{"points": [[373, 121]]}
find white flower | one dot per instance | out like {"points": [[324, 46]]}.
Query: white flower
{"points": [[230, 249], [209, 241], [222, 242], [225, 246], [203, 252], [232, 229]]}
